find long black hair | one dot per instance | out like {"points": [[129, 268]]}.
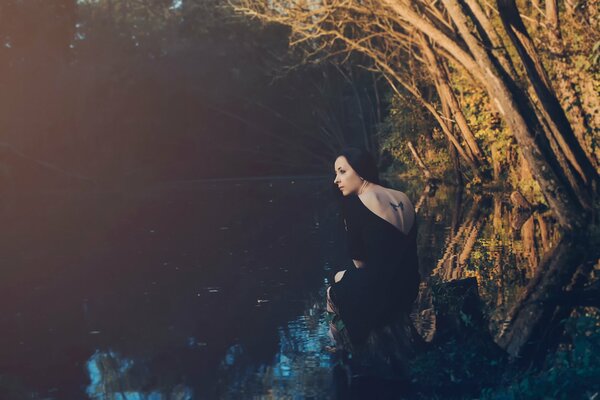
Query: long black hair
{"points": [[362, 162]]}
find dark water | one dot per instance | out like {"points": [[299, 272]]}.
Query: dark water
{"points": [[205, 290]]}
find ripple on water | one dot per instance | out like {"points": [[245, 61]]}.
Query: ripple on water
{"points": [[300, 368]]}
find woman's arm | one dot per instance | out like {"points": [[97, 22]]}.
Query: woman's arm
{"points": [[358, 263]]}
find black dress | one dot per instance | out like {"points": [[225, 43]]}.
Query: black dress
{"points": [[387, 285]]}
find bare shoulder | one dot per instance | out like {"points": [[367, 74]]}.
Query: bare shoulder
{"points": [[380, 198], [400, 196], [372, 198], [392, 205]]}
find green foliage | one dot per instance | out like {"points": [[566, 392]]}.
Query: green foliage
{"points": [[408, 121], [581, 57], [529, 187], [492, 135]]}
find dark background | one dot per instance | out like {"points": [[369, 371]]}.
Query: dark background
{"points": [[138, 91]]}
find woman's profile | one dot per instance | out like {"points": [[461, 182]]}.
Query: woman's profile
{"points": [[380, 223]]}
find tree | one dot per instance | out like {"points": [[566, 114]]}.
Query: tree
{"points": [[396, 33]]}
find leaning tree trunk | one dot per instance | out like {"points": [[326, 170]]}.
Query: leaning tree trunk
{"points": [[419, 161], [566, 79], [517, 111], [391, 76], [553, 113], [446, 93], [491, 38], [451, 149], [512, 103], [537, 306]]}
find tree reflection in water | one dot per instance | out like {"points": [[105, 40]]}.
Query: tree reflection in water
{"points": [[170, 332], [114, 377], [489, 240], [300, 369], [300, 366]]}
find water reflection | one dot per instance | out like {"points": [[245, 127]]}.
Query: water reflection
{"points": [[300, 366], [184, 292], [490, 240], [113, 377], [152, 277], [300, 369]]}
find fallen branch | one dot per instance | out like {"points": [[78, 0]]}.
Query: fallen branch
{"points": [[420, 162]]}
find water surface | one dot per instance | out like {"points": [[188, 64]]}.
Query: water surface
{"points": [[214, 289]]}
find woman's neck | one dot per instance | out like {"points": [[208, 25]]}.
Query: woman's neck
{"points": [[366, 187]]}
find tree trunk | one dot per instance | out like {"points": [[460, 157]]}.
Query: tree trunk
{"points": [[520, 203], [490, 36], [554, 115], [445, 267], [590, 101], [470, 243], [419, 161], [552, 26], [452, 150], [496, 164], [458, 179], [544, 234], [535, 13], [565, 81], [512, 104], [446, 128], [447, 93], [531, 316], [529, 245]]}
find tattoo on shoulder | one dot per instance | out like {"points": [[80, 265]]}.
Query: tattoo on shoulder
{"points": [[400, 206]]}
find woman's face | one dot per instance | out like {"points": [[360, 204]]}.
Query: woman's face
{"points": [[346, 179]]}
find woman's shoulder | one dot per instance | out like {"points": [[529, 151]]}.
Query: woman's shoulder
{"points": [[381, 196], [392, 205], [398, 194]]}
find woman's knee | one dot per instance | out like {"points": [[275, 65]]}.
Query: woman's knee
{"points": [[338, 276]]}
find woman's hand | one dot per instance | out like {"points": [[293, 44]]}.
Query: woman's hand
{"points": [[358, 263]]}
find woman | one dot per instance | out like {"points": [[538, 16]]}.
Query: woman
{"points": [[381, 238]]}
